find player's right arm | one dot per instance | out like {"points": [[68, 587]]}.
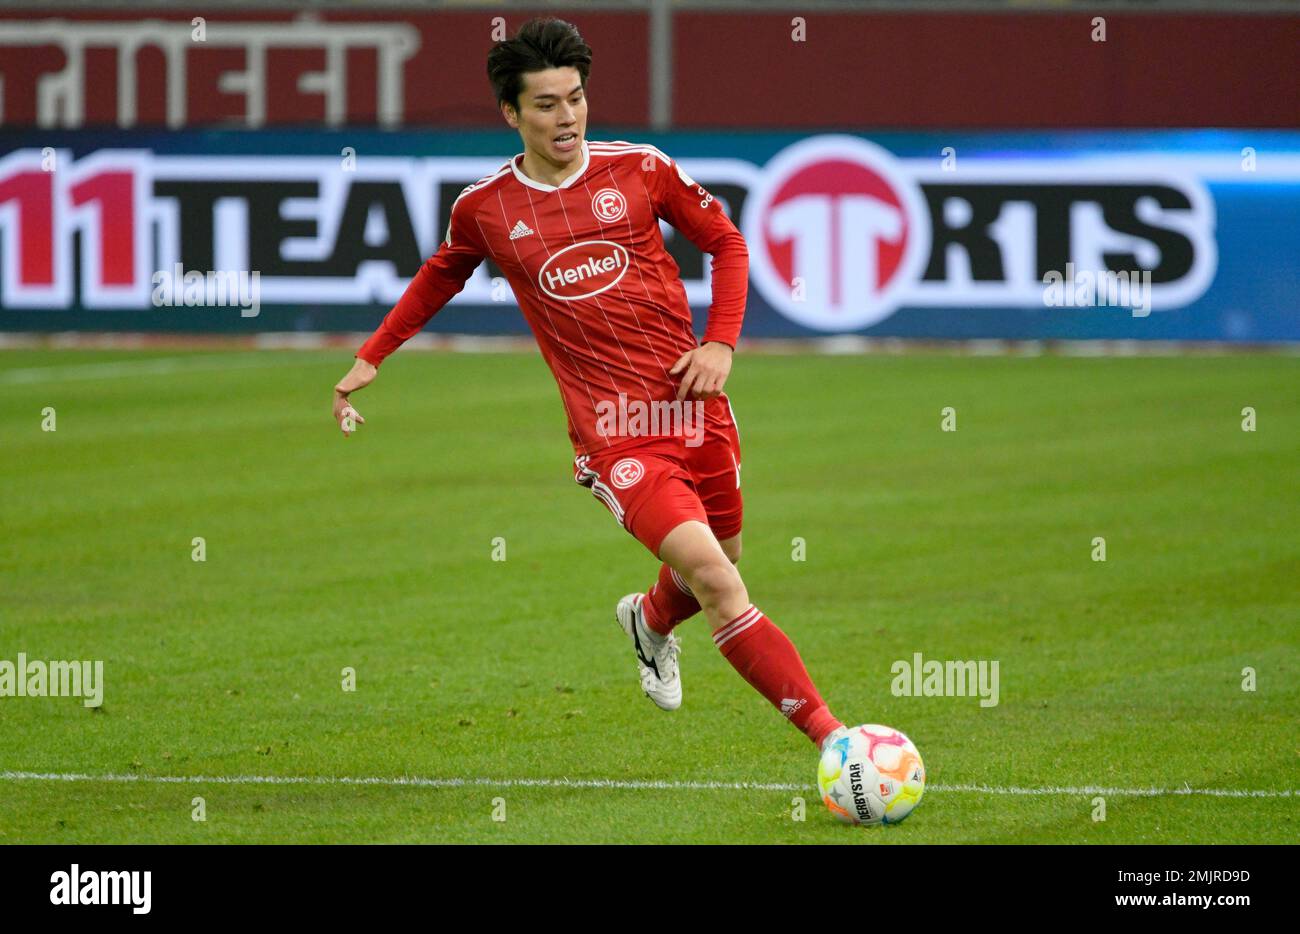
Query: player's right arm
{"points": [[441, 277]]}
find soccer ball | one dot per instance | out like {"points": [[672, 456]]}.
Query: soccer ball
{"points": [[871, 775]]}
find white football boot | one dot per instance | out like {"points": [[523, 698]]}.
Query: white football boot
{"points": [[656, 655], [833, 735]]}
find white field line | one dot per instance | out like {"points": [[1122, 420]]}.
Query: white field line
{"points": [[150, 367], [613, 783]]}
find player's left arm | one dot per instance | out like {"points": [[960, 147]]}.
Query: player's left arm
{"points": [[692, 210]]}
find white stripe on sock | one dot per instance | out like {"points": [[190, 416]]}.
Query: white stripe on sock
{"points": [[737, 625]]}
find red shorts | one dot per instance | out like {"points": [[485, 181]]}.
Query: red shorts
{"points": [[653, 485]]}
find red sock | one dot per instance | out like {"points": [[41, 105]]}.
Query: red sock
{"points": [[669, 602], [768, 660]]}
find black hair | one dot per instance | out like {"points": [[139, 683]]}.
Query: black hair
{"points": [[539, 44]]}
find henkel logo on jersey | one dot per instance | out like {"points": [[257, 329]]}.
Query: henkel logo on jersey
{"points": [[836, 233], [583, 270]]}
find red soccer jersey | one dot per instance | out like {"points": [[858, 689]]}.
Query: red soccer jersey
{"points": [[587, 264]]}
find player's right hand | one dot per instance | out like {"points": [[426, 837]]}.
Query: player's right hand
{"points": [[347, 416], [361, 375]]}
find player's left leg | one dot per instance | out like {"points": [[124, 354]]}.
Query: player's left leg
{"points": [[753, 644]]}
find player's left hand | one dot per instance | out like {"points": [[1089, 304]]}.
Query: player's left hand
{"points": [[707, 368]]}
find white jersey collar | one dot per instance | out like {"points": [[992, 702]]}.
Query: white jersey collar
{"points": [[540, 186]]}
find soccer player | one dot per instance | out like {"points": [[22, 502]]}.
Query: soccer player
{"points": [[574, 226]]}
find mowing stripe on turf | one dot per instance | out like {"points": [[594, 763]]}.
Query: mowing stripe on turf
{"points": [[653, 785], [149, 367]]}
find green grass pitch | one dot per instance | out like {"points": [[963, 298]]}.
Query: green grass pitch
{"points": [[376, 554]]}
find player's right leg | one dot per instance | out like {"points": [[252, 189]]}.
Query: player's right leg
{"points": [[694, 553], [656, 654], [762, 654], [649, 491]]}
